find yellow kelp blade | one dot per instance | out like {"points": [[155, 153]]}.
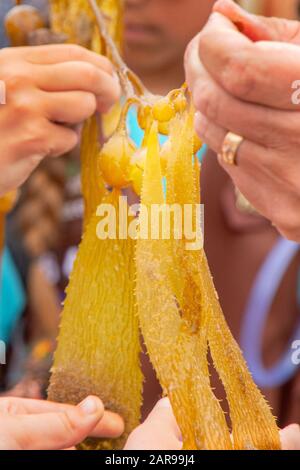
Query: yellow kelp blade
{"points": [[252, 421], [253, 424], [76, 20], [183, 189], [171, 347], [92, 184], [98, 345]]}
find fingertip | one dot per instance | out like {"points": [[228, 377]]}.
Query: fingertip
{"points": [[164, 403], [73, 141], [223, 17], [223, 5], [106, 101], [91, 103], [92, 405], [290, 437], [116, 424], [106, 64]]}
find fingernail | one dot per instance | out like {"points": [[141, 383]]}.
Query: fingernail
{"points": [[89, 406]]}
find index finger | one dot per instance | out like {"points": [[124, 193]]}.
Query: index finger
{"points": [[59, 53], [17, 406], [111, 424], [54, 430], [261, 72], [217, 24]]}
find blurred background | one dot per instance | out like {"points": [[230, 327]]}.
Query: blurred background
{"points": [[256, 272]]}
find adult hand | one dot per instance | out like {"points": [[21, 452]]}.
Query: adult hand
{"points": [[245, 87], [48, 89], [160, 432], [42, 425]]}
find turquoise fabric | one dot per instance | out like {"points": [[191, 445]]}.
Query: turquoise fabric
{"points": [[137, 135], [12, 297]]}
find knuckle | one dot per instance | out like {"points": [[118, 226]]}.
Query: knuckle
{"points": [[35, 138], [15, 81], [206, 101], [21, 105], [91, 75], [74, 51], [204, 42], [238, 76], [69, 425]]}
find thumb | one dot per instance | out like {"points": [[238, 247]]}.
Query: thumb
{"points": [[56, 430], [259, 28], [159, 432], [290, 437]]}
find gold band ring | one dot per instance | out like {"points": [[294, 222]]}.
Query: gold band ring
{"points": [[230, 148]]}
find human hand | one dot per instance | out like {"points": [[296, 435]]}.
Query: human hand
{"points": [[48, 90], [160, 432], [246, 87], [290, 437], [43, 425]]}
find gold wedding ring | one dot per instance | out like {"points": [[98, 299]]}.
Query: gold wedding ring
{"points": [[230, 148]]}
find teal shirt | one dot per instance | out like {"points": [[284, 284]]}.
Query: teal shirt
{"points": [[12, 297], [137, 134]]}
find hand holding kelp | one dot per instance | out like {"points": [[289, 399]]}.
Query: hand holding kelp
{"points": [[157, 284]]}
